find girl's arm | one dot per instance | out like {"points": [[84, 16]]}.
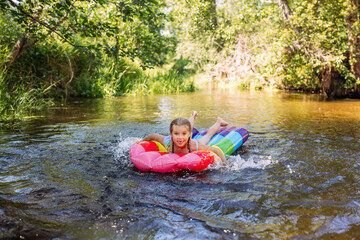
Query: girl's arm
{"points": [[154, 136], [217, 151]]}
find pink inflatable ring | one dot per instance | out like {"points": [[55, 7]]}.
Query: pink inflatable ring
{"points": [[152, 155]]}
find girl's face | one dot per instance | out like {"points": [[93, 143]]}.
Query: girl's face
{"points": [[180, 135]]}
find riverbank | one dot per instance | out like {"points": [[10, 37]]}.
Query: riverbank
{"points": [[119, 78], [20, 99]]}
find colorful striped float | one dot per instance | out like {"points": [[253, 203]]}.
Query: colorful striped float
{"points": [[152, 155]]}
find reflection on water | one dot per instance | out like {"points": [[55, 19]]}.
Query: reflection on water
{"points": [[68, 174]]}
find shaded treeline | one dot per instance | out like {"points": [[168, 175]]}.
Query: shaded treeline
{"points": [[308, 45], [324, 45], [51, 50]]}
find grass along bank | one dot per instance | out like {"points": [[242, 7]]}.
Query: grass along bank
{"points": [[22, 94]]}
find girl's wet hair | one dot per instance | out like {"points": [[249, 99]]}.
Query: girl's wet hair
{"points": [[180, 122]]}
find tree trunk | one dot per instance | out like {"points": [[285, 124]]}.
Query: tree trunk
{"points": [[213, 13], [284, 5], [326, 82], [18, 49], [286, 10], [331, 83], [354, 41]]}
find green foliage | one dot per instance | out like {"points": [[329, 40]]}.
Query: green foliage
{"points": [[194, 23], [292, 53], [86, 86], [163, 81], [131, 28], [82, 49], [18, 98], [184, 66], [207, 44], [111, 77], [321, 42], [19, 102], [10, 31], [203, 17]]}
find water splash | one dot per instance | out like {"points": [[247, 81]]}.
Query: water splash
{"points": [[121, 150], [237, 163]]}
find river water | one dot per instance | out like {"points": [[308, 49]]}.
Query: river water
{"points": [[67, 174]]}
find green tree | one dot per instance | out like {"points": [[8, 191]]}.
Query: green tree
{"points": [[321, 46], [194, 24], [130, 26]]}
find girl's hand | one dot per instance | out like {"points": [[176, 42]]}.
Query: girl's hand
{"points": [[221, 155], [218, 152]]}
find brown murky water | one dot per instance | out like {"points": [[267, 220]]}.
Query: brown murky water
{"points": [[68, 175]]}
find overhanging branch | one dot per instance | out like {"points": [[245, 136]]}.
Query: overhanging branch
{"points": [[52, 29]]}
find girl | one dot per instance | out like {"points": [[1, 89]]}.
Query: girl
{"points": [[180, 140]]}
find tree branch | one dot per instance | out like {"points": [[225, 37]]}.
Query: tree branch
{"points": [[20, 46], [52, 29]]}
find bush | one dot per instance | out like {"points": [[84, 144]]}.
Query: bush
{"points": [[184, 66]]}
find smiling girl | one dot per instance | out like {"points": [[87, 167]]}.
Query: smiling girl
{"points": [[180, 140]]}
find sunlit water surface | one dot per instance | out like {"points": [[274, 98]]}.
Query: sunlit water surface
{"points": [[68, 174]]}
